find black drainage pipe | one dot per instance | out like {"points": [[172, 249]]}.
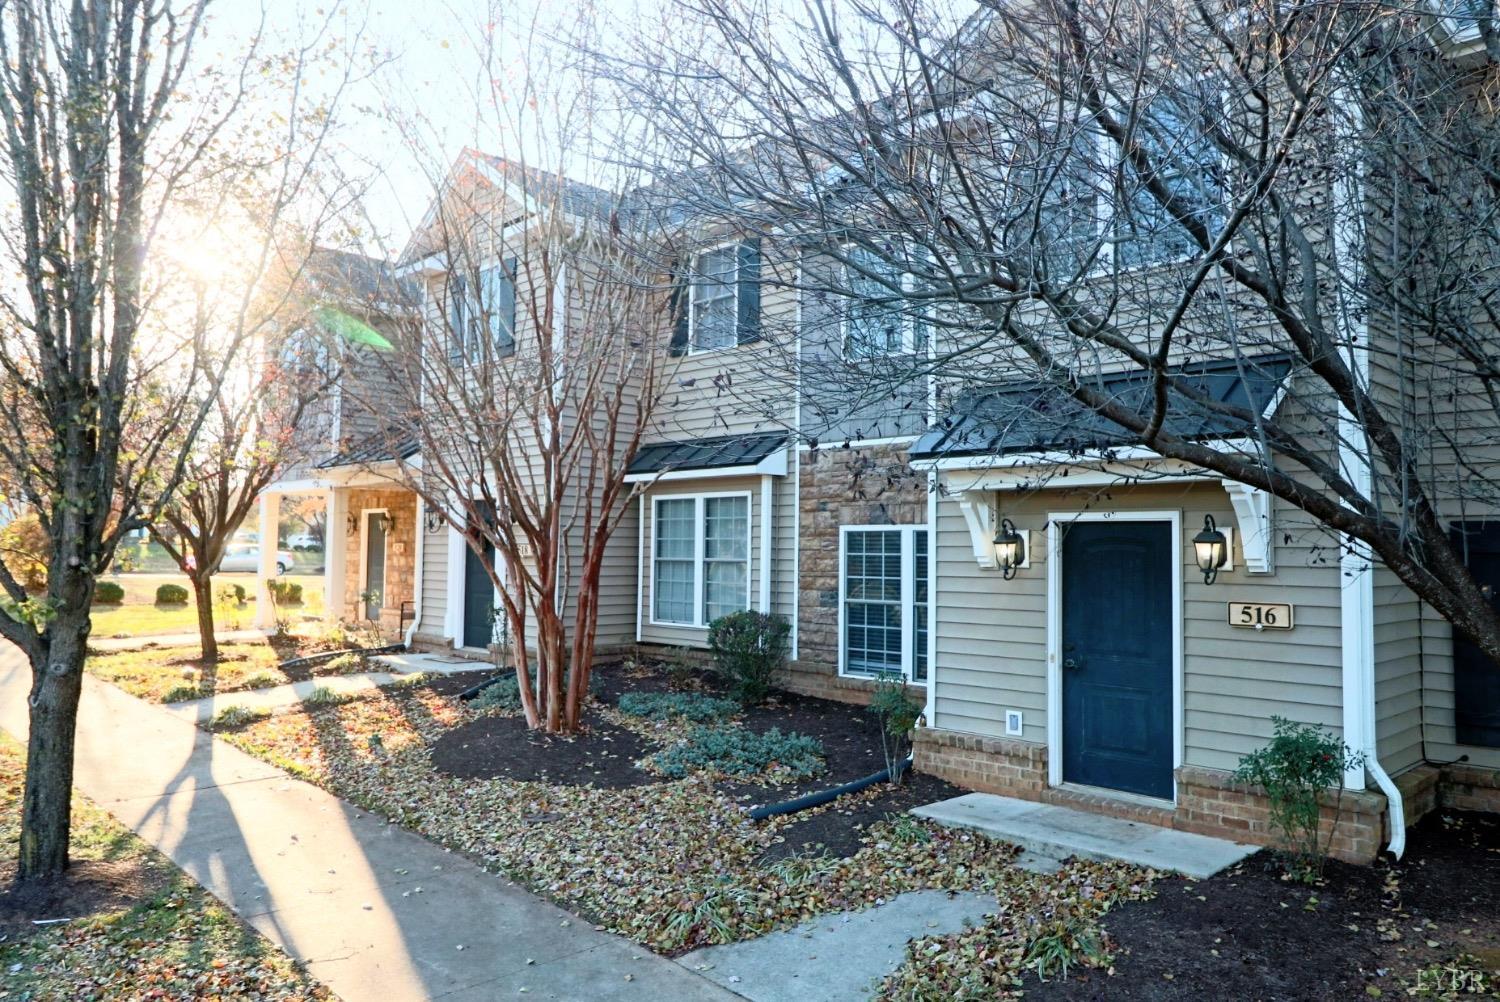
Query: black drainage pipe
{"points": [[824, 796], [313, 659], [475, 690]]}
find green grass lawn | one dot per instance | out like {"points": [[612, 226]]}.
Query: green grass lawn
{"points": [[139, 615], [153, 934]]}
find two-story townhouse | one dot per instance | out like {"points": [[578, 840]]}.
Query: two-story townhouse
{"points": [[349, 450]]}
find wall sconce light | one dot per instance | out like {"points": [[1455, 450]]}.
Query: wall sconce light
{"points": [[353, 523], [1010, 549], [387, 523], [1212, 549], [432, 519]]}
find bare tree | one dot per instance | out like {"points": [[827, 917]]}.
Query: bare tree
{"points": [[120, 145], [1109, 201]]}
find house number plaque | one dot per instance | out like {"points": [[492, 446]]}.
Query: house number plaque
{"points": [[1261, 615]]}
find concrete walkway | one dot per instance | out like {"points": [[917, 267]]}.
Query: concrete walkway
{"points": [[146, 641], [1050, 831], [839, 957], [279, 698], [375, 912]]}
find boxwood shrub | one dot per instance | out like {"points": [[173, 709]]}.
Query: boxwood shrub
{"points": [[749, 647], [171, 594], [735, 751], [108, 593]]}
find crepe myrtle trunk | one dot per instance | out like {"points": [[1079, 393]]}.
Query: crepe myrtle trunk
{"points": [[203, 595], [53, 719]]}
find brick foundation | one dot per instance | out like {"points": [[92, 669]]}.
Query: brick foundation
{"points": [[1207, 802], [1467, 787]]}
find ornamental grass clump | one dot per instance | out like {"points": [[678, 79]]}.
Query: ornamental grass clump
{"points": [[1300, 762], [233, 718], [691, 706], [749, 648], [734, 751]]}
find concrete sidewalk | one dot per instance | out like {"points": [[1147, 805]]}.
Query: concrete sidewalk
{"points": [[375, 912], [147, 640]]}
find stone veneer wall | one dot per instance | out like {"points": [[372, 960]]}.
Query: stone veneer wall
{"points": [[838, 487], [400, 555], [1207, 802]]}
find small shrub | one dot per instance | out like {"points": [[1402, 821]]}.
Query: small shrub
{"points": [[235, 717], [232, 594], [171, 594], [504, 693], [1299, 763], [749, 647], [692, 706], [323, 696], [897, 713], [734, 751], [262, 680], [285, 592], [183, 693], [108, 593]]}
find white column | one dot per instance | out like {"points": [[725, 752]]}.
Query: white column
{"points": [[335, 549], [270, 512]]}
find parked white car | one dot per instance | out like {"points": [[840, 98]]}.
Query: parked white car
{"points": [[304, 541], [242, 557]]}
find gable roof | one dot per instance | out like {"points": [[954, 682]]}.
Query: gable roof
{"points": [[1032, 416]]}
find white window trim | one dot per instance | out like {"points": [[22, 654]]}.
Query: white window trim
{"points": [[692, 339], [700, 578], [908, 598], [908, 322]]}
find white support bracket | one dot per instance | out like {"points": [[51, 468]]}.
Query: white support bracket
{"points": [[1252, 510], [978, 508], [979, 514]]}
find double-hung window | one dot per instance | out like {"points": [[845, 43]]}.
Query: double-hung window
{"points": [[1098, 211], [490, 309], [876, 320], [883, 601], [715, 299], [700, 566]]}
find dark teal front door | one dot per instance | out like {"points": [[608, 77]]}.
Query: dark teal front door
{"points": [[1117, 633], [479, 597], [374, 564]]}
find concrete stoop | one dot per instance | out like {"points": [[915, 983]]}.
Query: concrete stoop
{"points": [[1050, 833]]}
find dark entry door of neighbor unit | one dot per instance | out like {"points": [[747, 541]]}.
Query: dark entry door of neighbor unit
{"points": [[479, 597], [1117, 656], [1476, 680], [374, 564]]}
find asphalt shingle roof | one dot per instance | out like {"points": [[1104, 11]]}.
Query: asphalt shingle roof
{"points": [[707, 453], [1030, 416], [380, 447]]}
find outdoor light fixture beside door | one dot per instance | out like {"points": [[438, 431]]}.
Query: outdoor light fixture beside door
{"points": [[387, 523], [1010, 549], [1212, 549]]}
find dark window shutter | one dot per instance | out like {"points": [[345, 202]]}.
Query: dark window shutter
{"points": [[505, 309], [457, 317], [677, 310], [748, 298]]}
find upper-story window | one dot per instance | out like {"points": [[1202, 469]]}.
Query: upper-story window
{"points": [[877, 321], [721, 294], [488, 311], [1100, 211]]}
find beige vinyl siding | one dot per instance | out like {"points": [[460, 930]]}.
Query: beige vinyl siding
{"points": [[782, 543], [617, 581], [434, 571], [991, 634], [1437, 660], [1398, 673]]}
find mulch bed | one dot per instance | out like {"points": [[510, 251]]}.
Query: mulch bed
{"points": [[90, 887], [605, 756], [1364, 932], [503, 747]]}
